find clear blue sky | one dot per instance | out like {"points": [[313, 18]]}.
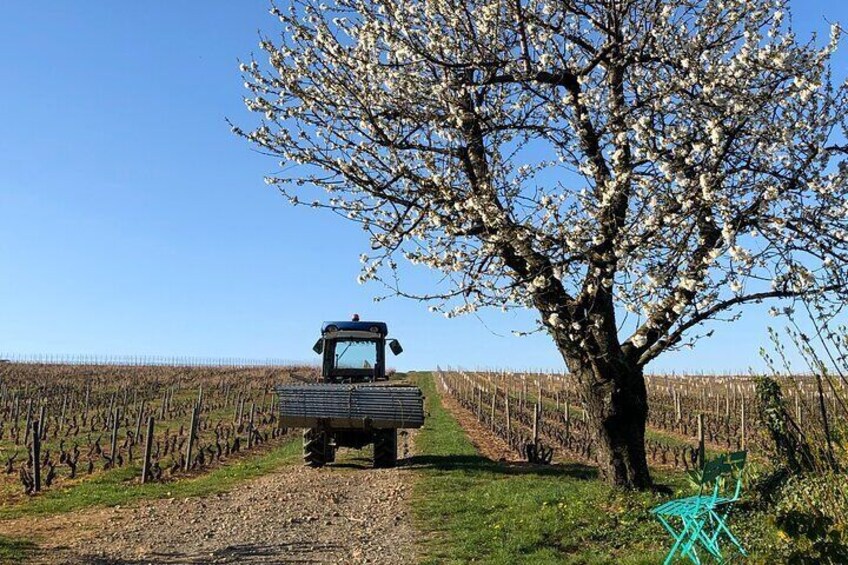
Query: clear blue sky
{"points": [[133, 222]]}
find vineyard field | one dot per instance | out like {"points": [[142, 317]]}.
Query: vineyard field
{"points": [[92, 420], [689, 418]]}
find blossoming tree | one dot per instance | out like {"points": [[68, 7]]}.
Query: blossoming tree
{"points": [[628, 168]]}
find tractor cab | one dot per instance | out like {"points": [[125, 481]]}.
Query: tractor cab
{"points": [[354, 351]]}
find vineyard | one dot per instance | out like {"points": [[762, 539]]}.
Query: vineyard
{"points": [[689, 417], [62, 423], [69, 427]]}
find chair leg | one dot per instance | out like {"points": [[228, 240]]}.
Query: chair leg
{"points": [[722, 527], [696, 526], [694, 533], [709, 539], [678, 538]]}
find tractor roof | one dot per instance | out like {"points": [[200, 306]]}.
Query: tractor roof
{"points": [[373, 327]]}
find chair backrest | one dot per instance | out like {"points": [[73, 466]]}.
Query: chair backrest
{"points": [[721, 472], [710, 475], [712, 470], [736, 465]]}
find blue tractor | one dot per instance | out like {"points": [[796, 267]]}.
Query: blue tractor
{"points": [[355, 404]]}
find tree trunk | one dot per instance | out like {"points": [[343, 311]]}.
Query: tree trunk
{"points": [[617, 404]]}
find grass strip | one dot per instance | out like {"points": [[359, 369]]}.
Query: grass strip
{"points": [[486, 512], [121, 487]]}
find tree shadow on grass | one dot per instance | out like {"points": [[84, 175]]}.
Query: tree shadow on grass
{"points": [[13, 550], [251, 553], [477, 463]]}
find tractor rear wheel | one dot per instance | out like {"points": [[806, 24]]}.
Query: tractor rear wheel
{"points": [[315, 447], [385, 449]]}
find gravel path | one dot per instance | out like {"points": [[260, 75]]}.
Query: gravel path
{"points": [[338, 514]]}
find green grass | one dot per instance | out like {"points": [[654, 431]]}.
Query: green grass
{"points": [[478, 510], [15, 550], [676, 441], [121, 487], [492, 513]]}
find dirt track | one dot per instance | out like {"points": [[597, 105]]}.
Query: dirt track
{"points": [[341, 514]]}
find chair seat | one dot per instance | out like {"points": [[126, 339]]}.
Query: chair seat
{"points": [[688, 506]]}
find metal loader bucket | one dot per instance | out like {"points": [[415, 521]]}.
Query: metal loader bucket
{"points": [[357, 406]]}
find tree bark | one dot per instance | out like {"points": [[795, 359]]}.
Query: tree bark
{"points": [[617, 404]]}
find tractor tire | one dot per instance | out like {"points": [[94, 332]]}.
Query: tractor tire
{"points": [[315, 446], [385, 449]]}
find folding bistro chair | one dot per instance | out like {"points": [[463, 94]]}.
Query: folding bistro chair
{"points": [[701, 520], [731, 487]]}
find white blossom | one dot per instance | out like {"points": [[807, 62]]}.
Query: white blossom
{"points": [[522, 176]]}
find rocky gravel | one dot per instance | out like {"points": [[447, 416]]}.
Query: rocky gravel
{"points": [[339, 514]]}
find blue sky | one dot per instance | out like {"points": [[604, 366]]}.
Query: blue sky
{"points": [[133, 222]]}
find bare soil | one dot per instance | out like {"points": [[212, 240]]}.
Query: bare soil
{"points": [[485, 441], [346, 513]]}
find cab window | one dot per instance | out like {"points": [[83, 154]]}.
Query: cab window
{"points": [[355, 354]]}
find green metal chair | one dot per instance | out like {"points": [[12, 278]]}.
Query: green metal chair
{"points": [[732, 489], [702, 518]]}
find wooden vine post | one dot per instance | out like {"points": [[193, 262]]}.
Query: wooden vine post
{"points": [[701, 447], [36, 455], [190, 443], [536, 410], [250, 426], [114, 446], [508, 419], [148, 449], [494, 398], [677, 406]]}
